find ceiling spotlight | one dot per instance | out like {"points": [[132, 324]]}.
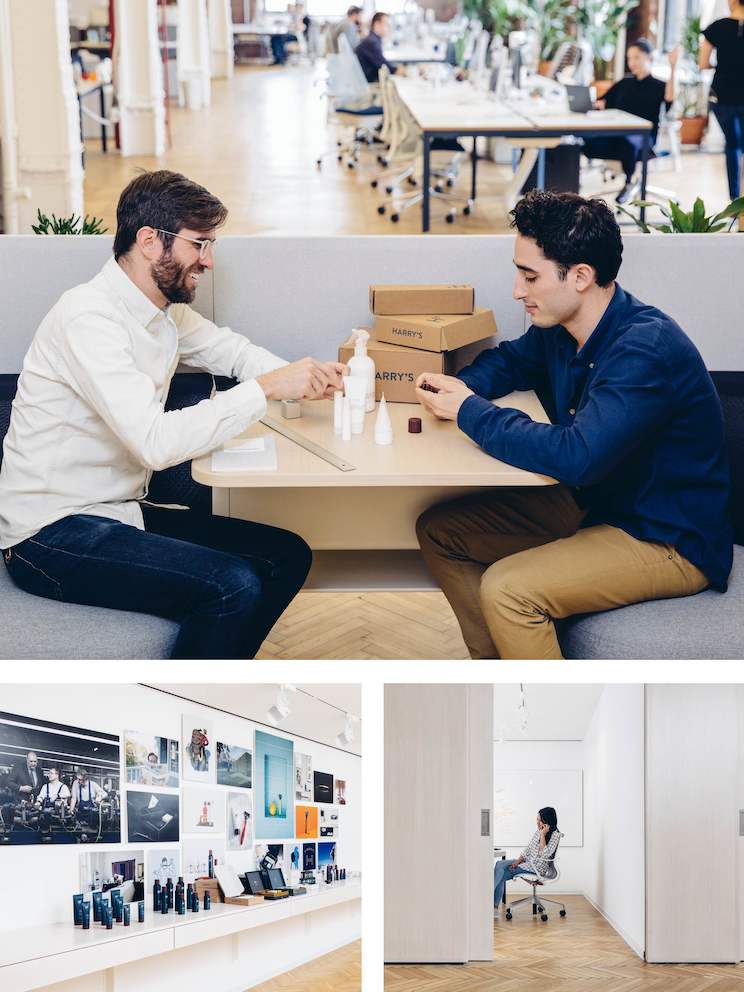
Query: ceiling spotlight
{"points": [[347, 734], [280, 710]]}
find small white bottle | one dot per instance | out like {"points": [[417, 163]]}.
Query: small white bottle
{"points": [[362, 366], [383, 425]]}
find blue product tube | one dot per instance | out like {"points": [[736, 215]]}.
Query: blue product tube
{"points": [[141, 911], [97, 897], [164, 901], [109, 917], [126, 912], [207, 901], [86, 915], [116, 906], [104, 912], [77, 909]]}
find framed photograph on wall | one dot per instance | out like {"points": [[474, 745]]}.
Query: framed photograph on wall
{"points": [[152, 817], [196, 857], [340, 792], [121, 870], [39, 765], [326, 854], [306, 822], [198, 751], [322, 787], [309, 857], [274, 791], [203, 810], [234, 765], [329, 822], [304, 777], [151, 760], [162, 864], [240, 821]]}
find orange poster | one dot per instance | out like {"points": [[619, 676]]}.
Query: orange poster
{"points": [[306, 822]]}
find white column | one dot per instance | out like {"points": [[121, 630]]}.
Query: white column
{"points": [[194, 88], [221, 38], [43, 158], [139, 78]]}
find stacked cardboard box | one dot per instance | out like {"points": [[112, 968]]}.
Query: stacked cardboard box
{"points": [[419, 329]]}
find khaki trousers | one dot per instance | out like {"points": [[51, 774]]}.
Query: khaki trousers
{"points": [[512, 561]]}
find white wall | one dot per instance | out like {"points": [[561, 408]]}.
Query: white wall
{"points": [[614, 877], [526, 755], [42, 880]]}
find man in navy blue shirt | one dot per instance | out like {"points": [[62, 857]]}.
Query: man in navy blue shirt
{"points": [[369, 51], [636, 443]]}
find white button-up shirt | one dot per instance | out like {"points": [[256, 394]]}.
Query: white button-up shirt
{"points": [[88, 425]]}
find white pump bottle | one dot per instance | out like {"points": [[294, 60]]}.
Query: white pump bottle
{"points": [[362, 366]]}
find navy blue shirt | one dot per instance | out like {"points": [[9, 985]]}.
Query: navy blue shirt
{"points": [[639, 428], [370, 55]]}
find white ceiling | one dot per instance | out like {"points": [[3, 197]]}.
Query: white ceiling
{"points": [[554, 712], [310, 714]]}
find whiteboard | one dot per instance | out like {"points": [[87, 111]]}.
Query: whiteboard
{"points": [[518, 795]]}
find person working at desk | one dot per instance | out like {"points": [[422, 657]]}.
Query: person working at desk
{"points": [[637, 443], [640, 94], [369, 51], [88, 428], [349, 27], [726, 36], [535, 859]]}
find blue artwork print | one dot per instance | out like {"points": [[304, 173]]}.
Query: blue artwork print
{"points": [[274, 772], [326, 855]]}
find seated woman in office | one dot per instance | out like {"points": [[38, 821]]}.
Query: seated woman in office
{"points": [[535, 859], [640, 94]]}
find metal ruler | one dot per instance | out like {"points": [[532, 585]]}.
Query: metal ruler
{"points": [[311, 446]]}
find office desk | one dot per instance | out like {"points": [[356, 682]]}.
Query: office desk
{"points": [[457, 110], [377, 504], [84, 88], [416, 54]]}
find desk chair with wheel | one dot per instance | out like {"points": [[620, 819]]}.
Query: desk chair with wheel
{"points": [[538, 901]]}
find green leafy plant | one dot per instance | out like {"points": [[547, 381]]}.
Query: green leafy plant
{"points": [[600, 23], [499, 17], [67, 225], [553, 20], [694, 221], [690, 95]]}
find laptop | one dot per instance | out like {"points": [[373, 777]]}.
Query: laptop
{"points": [[579, 99]]}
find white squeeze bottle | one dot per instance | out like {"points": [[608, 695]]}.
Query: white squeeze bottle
{"points": [[362, 366]]}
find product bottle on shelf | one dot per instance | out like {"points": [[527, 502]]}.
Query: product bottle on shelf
{"points": [[211, 864]]}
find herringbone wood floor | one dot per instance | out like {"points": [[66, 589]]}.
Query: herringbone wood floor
{"points": [[580, 952], [379, 625], [340, 971]]}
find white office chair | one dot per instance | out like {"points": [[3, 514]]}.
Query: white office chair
{"points": [[538, 902], [349, 96]]}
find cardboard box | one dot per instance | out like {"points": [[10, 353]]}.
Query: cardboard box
{"points": [[396, 368], [210, 885], [436, 332], [421, 299]]}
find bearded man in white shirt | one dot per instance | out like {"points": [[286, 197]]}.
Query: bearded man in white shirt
{"points": [[88, 428]]}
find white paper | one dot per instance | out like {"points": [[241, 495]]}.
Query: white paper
{"points": [[229, 881], [252, 455]]}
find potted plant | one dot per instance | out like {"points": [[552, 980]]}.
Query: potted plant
{"points": [[694, 221], [691, 93], [552, 19], [498, 17], [67, 225], [600, 23]]}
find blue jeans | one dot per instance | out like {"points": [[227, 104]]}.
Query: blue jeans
{"points": [[226, 582], [503, 874], [731, 118]]}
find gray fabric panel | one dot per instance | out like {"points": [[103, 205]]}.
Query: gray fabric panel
{"points": [[34, 627], [34, 272], [300, 296], [709, 626]]}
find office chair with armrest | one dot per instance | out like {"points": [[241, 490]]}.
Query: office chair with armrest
{"points": [[352, 105], [538, 901]]}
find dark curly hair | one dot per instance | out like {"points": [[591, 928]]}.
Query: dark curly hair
{"points": [[571, 230], [167, 201]]}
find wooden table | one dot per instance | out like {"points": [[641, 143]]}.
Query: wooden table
{"points": [[457, 110], [376, 505]]}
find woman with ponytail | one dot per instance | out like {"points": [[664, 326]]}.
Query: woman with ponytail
{"points": [[535, 859]]}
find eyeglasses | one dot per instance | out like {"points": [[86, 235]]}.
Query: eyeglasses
{"points": [[204, 245]]}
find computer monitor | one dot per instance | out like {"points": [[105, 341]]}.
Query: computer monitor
{"points": [[276, 878], [254, 882]]}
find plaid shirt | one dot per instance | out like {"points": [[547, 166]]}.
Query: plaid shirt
{"points": [[540, 861]]}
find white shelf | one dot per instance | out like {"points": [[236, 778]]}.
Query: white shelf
{"points": [[38, 956]]}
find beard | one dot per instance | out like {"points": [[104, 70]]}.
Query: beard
{"points": [[174, 280]]}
